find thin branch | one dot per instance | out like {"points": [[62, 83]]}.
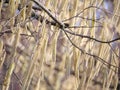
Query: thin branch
{"points": [[95, 20], [83, 36], [9, 32], [60, 24], [99, 58], [21, 83], [83, 26], [14, 15], [77, 15], [41, 18], [114, 51]]}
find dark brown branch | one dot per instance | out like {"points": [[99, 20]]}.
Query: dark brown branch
{"points": [[62, 25], [77, 15], [83, 26], [83, 36], [41, 18], [99, 58]]}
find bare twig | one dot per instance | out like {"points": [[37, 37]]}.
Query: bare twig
{"points": [[83, 36], [83, 26], [62, 26], [77, 15]]}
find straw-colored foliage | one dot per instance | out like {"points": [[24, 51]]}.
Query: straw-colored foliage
{"points": [[37, 52]]}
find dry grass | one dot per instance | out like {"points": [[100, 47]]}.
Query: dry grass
{"points": [[36, 54]]}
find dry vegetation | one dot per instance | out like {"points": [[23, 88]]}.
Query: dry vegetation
{"points": [[59, 45]]}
